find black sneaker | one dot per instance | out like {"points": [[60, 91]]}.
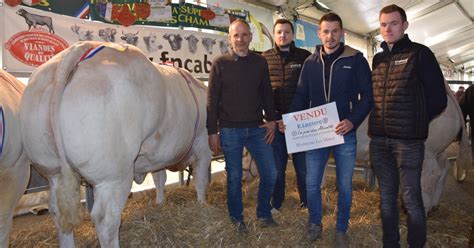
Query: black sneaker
{"points": [[341, 240], [240, 225], [313, 232], [302, 206], [267, 222]]}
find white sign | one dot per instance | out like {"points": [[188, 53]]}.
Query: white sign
{"points": [[312, 128]]}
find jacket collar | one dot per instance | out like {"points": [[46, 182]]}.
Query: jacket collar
{"points": [[398, 46], [348, 51], [292, 48]]}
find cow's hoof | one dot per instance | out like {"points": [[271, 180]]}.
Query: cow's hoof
{"points": [[433, 210], [459, 173], [39, 210]]}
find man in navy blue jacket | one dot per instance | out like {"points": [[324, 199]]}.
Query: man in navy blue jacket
{"points": [[341, 74]]}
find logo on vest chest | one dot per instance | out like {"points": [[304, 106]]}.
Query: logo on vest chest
{"points": [[294, 66], [347, 67], [401, 61]]}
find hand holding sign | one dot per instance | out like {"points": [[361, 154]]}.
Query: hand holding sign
{"points": [[314, 128], [343, 127]]}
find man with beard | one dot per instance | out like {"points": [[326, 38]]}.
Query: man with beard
{"points": [[285, 62]]}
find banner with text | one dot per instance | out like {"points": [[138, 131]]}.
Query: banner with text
{"points": [[312, 128], [163, 13], [27, 46]]}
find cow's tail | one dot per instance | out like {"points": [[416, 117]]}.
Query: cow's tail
{"points": [[464, 156], [67, 190]]}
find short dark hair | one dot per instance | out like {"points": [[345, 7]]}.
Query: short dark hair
{"points": [[394, 8], [241, 21], [331, 17], [284, 21]]}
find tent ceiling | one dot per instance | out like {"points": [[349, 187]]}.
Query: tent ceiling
{"points": [[446, 26]]}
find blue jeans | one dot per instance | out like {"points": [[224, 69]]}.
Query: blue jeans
{"points": [[280, 153], [233, 141], [397, 164], [316, 160]]}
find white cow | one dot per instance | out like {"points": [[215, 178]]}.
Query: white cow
{"points": [[14, 167], [110, 119]]}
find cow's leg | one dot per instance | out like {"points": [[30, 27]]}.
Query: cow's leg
{"points": [[443, 167], [428, 180], [66, 239], [201, 168], [110, 199], [435, 169], [159, 178], [13, 183]]}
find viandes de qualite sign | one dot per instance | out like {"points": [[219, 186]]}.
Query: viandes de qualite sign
{"points": [[35, 48]]}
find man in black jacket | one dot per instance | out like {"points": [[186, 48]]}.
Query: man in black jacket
{"points": [[409, 92], [285, 62]]}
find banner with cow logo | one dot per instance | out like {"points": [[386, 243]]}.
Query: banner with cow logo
{"points": [[33, 36]]}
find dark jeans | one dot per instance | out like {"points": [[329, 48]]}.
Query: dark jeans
{"points": [[233, 141], [398, 164], [280, 153]]}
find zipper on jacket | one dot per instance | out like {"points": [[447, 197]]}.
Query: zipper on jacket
{"points": [[330, 78], [326, 93], [282, 69], [387, 72]]}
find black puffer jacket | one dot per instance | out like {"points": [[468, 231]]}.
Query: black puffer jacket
{"points": [[409, 91], [284, 75]]}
